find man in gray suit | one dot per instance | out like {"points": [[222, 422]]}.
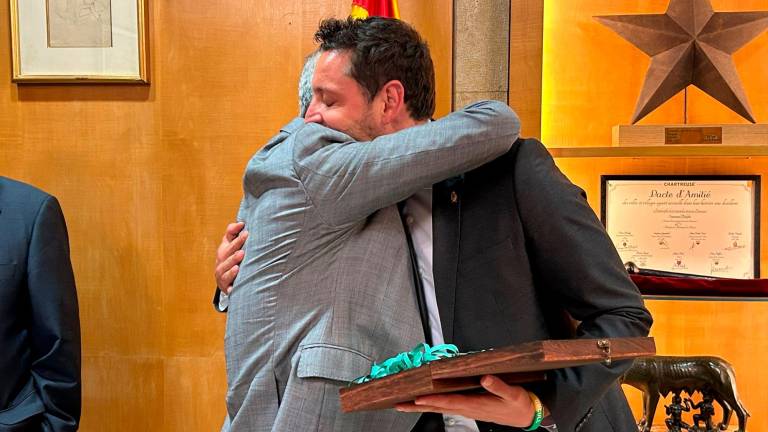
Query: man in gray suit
{"points": [[325, 287], [230, 254]]}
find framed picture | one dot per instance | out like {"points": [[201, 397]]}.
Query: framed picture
{"points": [[79, 41], [694, 225]]}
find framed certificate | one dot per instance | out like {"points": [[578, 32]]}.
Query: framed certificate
{"points": [[701, 225], [79, 41]]}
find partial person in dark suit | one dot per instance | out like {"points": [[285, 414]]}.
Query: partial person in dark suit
{"points": [[519, 254], [39, 322]]}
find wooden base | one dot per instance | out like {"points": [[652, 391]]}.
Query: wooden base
{"points": [[515, 364], [682, 135]]}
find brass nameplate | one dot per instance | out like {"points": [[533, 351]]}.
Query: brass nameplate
{"points": [[693, 135]]}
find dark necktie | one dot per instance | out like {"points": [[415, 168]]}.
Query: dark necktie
{"points": [[416, 277]]}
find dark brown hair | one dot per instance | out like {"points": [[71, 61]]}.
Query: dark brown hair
{"points": [[384, 49]]}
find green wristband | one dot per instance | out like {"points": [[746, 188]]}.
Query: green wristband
{"points": [[538, 413]]}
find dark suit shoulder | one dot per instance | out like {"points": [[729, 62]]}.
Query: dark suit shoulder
{"points": [[519, 157], [531, 149], [22, 208], [534, 165], [21, 197]]}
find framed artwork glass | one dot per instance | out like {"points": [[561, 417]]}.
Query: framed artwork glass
{"points": [[79, 41]]}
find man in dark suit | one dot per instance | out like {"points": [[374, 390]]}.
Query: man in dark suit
{"points": [[39, 323], [518, 254]]}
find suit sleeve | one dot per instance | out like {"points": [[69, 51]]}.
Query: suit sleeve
{"points": [[347, 180], [55, 325], [575, 266]]}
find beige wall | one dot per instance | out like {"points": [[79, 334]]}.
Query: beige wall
{"points": [[148, 176]]}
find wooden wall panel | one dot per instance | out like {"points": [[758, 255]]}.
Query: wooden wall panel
{"points": [[148, 177], [125, 393], [525, 65], [433, 19], [194, 395]]}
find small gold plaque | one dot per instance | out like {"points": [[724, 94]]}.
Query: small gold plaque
{"points": [[693, 135]]}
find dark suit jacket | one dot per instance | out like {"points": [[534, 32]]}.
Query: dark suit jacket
{"points": [[39, 324], [516, 247]]}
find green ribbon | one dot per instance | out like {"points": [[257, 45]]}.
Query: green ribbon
{"points": [[420, 355]]}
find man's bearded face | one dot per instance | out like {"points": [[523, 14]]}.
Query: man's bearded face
{"points": [[338, 101]]}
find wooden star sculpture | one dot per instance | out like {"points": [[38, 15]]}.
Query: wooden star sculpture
{"points": [[690, 44]]}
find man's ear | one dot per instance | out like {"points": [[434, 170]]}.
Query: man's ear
{"points": [[393, 100]]}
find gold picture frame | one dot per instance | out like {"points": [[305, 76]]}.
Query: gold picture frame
{"points": [[74, 41]]}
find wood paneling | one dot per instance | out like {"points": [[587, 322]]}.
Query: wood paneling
{"points": [[125, 393], [525, 53], [149, 176], [193, 396], [433, 19]]}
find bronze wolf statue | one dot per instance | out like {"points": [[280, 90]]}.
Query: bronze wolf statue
{"points": [[660, 375]]}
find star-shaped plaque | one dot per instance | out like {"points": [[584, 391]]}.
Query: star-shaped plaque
{"points": [[690, 44]]}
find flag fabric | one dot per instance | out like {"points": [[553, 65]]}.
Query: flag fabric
{"points": [[382, 8]]}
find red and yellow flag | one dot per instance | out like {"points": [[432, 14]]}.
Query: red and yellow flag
{"points": [[382, 8]]}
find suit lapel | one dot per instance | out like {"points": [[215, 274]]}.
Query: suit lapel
{"points": [[446, 234]]}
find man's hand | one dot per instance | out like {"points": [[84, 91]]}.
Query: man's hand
{"points": [[503, 404], [229, 255]]}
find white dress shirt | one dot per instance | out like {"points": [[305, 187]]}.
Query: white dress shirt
{"points": [[223, 304], [418, 216]]}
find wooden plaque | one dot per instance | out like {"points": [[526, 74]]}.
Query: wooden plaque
{"points": [[686, 134], [514, 364], [693, 135]]}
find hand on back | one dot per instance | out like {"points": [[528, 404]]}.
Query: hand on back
{"points": [[229, 255]]}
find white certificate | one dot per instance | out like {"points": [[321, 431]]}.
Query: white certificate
{"points": [[704, 226]]}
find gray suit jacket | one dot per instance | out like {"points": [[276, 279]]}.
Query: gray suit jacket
{"points": [[325, 287]]}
